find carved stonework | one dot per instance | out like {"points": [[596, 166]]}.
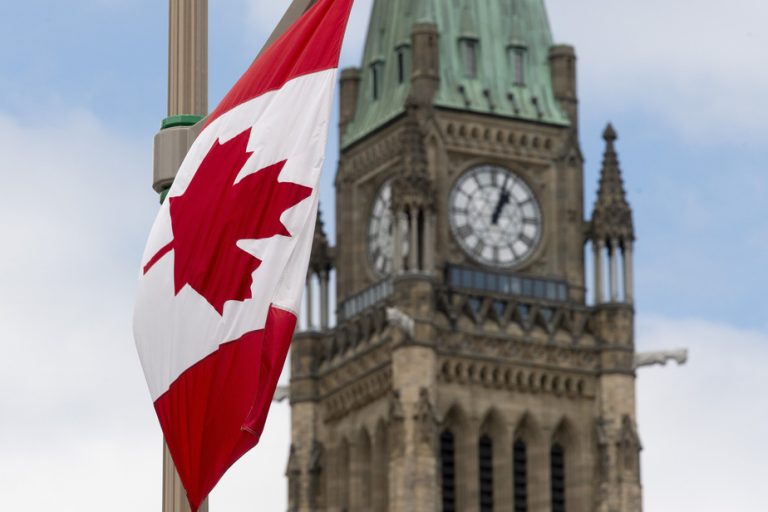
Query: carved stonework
{"points": [[293, 472], [629, 448], [426, 421], [519, 379], [396, 421], [317, 473], [357, 394], [661, 358], [501, 140]]}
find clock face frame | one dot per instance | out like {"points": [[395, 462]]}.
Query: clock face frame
{"points": [[381, 232], [494, 216]]}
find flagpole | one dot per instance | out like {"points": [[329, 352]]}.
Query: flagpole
{"points": [[187, 107]]}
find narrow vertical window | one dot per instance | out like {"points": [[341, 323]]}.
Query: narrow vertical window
{"points": [[448, 471], [402, 64], [520, 475], [557, 464], [377, 75], [517, 60], [469, 50], [485, 453]]}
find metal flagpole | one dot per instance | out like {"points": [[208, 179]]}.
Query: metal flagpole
{"points": [[187, 106]]}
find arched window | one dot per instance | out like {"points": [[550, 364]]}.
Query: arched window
{"points": [[557, 475], [363, 470], [485, 456], [448, 470], [520, 474], [380, 470], [343, 475]]}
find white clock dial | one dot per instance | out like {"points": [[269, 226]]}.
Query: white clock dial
{"points": [[494, 216], [381, 232]]}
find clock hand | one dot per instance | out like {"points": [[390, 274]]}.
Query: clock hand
{"points": [[503, 200]]}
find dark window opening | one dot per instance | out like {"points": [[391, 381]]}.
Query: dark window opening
{"points": [[485, 452], [377, 75], [557, 464], [401, 69], [520, 475], [448, 471]]}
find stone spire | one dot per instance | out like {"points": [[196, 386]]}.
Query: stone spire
{"points": [[321, 259], [612, 215]]}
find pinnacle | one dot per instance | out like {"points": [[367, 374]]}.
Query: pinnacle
{"points": [[321, 257], [610, 134], [320, 235], [612, 216]]}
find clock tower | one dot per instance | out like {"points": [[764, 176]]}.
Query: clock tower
{"points": [[466, 370]]}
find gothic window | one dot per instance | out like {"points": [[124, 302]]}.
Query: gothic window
{"points": [[364, 472], [380, 470], [485, 455], [344, 475], [377, 77], [557, 475], [520, 474], [517, 56], [469, 54], [448, 470]]}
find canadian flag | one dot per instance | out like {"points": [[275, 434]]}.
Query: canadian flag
{"points": [[223, 271]]}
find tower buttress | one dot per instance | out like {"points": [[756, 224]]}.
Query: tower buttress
{"points": [[562, 65], [612, 235], [467, 370], [425, 74], [349, 87]]}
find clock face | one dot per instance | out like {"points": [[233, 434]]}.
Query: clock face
{"points": [[494, 216], [381, 232]]}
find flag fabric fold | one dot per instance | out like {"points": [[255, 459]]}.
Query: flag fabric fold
{"points": [[224, 267]]}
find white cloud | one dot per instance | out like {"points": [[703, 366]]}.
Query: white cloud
{"points": [[76, 415], [703, 425], [692, 64]]}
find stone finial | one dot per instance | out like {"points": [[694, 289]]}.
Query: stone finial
{"points": [[612, 215]]}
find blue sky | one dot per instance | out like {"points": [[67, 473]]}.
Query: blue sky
{"points": [[82, 93]]}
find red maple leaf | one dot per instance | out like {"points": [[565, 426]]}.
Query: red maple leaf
{"points": [[214, 213]]}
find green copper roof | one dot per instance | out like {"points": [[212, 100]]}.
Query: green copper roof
{"points": [[499, 29]]}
